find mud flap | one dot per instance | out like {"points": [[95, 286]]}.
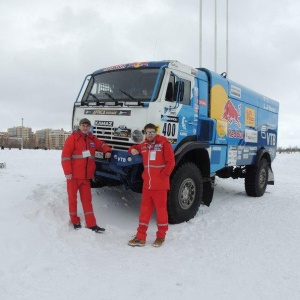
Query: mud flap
{"points": [[270, 176], [208, 190]]}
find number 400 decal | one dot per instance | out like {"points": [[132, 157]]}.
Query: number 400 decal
{"points": [[170, 129]]}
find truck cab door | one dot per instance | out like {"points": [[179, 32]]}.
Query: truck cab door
{"points": [[178, 119]]}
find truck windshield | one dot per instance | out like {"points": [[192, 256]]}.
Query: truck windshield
{"points": [[122, 85]]}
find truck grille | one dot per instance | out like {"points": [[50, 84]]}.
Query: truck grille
{"points": [[115, 142]]}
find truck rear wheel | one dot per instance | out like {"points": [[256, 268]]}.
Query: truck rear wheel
{"points": [[185, 194], [256, 179]]}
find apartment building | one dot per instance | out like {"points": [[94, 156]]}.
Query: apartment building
{"points": [[51, 138], [19, 132], [56, 138], [44, 138]]}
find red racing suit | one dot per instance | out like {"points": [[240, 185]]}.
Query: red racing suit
{"points": [[159, 162], [76, 160]]}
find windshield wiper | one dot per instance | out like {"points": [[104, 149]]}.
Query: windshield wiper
{"points": [[109, 95], [128, 95], [94, 97]]}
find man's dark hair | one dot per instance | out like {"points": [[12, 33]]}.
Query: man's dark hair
{"points": [[150, 126], [85, 121]]}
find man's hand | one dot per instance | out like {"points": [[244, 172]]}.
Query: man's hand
{"points": [[68, 176], [107, 155], [134, 152]]}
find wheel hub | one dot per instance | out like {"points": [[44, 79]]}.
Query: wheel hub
{"points": [[187, 193], [262, 178]]}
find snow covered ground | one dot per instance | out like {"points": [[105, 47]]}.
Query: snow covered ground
{"points": [[238, 248]]}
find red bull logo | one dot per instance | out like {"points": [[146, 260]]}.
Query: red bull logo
{"points": [[231, 114], [138, 64]]}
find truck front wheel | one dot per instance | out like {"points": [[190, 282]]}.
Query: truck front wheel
{"points": [[185, 193], [256, 179]]}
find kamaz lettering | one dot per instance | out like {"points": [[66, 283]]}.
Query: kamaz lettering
{"points": [[104, 123], [216, 126]]}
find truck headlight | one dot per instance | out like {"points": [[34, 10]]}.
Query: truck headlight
{"points": [[137, 136]]}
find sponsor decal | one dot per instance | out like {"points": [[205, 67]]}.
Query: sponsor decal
{"points": [[183, 123], [157, 147], [271, 108], [104, 123], [183, 133], [172, 141], [202, 102], [230, 113], [235, 91], [263, 131], [138, 65], [174, 64], [250, 136], [235, 134], [221, 128], [270, 105], [122, 131], [268, 135], [250, 117], [196, 91], [110, 112], [271, 139], [232, 156], [170, 111], [169, 119], [117, 67]]}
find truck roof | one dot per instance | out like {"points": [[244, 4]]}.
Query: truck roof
{"points": [[145, 64]]}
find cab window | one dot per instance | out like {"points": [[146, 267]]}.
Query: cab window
{"points": [[172, 89]]}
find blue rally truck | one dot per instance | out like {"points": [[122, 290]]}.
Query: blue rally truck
{"points": [[217, 127]]}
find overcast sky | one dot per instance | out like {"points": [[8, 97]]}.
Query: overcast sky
{"points": [[48, 47]]}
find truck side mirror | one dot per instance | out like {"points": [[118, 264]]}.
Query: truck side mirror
{"points": [[179, 88]]}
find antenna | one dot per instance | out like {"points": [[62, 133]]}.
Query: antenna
{"points": [[227, 37], [216, 29], [200, 34]]}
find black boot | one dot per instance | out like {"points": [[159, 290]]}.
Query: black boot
{"points": [[77, 226], [97, 229]]}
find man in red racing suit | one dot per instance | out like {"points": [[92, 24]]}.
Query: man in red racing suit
{"points": [[78, 162], [158, 161]]}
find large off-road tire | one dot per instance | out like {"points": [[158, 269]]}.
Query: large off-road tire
{"points": [[256, 179], [185, 193]]}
